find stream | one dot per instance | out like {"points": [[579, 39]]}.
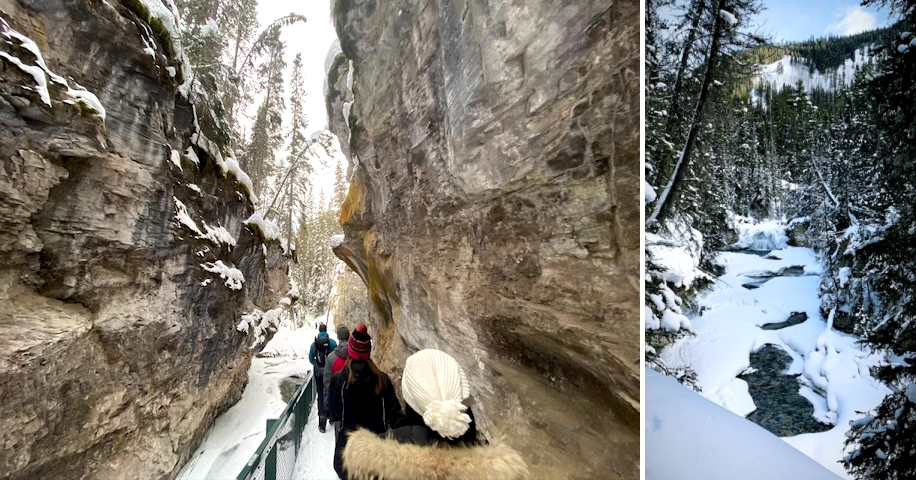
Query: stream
{"points": [[762, 349]]}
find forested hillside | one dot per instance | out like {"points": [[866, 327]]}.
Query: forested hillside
{"points": [[243, 66], [811, 143]]}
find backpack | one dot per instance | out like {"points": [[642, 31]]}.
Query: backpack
{"points": [[322, 350]]}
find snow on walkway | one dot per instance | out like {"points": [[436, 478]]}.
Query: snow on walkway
{"points": [[834, 370], [317, 461], [236, 434]]}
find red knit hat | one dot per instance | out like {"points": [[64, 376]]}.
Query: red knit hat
{"points": [[360, 343]]}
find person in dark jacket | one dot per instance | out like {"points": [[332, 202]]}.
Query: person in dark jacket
{"points": [[343, 336], [318, 356], [361, 396], [438, 444]]}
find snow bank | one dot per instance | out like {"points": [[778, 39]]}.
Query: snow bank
{"points": [[769, 235], [233, 276], [689, 437], [679, 259]]}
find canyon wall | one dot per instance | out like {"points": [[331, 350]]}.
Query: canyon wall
{"points": [[493, 209], [126, 263]]}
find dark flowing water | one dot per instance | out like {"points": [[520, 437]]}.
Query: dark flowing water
{"points": [[780, 408], [794, 319]]}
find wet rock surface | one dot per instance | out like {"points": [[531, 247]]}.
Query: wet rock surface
{"points": [[493, 210], [780, 407], [118, 348], [794, 319]]}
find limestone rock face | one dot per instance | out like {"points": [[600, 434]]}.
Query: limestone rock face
{"points": [[493, 210], [118, 346]]}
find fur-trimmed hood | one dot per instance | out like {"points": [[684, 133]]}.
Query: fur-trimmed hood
{"points": [[368, 456]]}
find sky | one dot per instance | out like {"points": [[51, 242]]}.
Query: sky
{"points": [[791, 20], [312, 39]]}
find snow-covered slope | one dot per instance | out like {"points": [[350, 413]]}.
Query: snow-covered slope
{"points": [[689, 437], [784, 72], [833, 370]]}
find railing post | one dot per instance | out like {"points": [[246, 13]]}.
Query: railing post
{"points": [[270, 463]]}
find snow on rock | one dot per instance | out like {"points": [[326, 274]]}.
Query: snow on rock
{"points": [[336, 240], [258, 323], [769, 235], [175, 158], [233, 276], [689, 437], [192, 156], [183, 217], [165, 13], [232, 167], [38, 72], [269, 229], [193, 187], [218, 235]]}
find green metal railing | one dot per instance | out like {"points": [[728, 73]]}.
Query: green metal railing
{"points": [[275, 458]]}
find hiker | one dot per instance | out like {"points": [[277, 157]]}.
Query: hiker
{"points": [[437, 438], [361, 395], [338, 356], [318, 356]]}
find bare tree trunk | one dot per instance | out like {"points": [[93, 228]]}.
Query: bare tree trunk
{"points": [[664, 207], [696, 12]]}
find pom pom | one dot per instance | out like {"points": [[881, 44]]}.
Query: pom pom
{"points": [[447, 417]]}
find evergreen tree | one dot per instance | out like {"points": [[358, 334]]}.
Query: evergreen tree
{"points": [[267, 130]]}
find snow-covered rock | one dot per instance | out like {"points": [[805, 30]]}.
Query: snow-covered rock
{"points": [[769, 235]]}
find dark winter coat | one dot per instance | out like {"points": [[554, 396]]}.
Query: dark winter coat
{"points": [[357, 405], [313, 352], [339, 352]]}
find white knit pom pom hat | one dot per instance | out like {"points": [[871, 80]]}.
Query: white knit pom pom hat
{"points": [[434, 385]]}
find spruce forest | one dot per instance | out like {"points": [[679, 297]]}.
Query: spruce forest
{"points": [[780, 209], [243, 68]]}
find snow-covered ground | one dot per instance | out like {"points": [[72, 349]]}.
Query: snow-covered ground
{"points": [[690, 438], [236, 434], [834, 370]]}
